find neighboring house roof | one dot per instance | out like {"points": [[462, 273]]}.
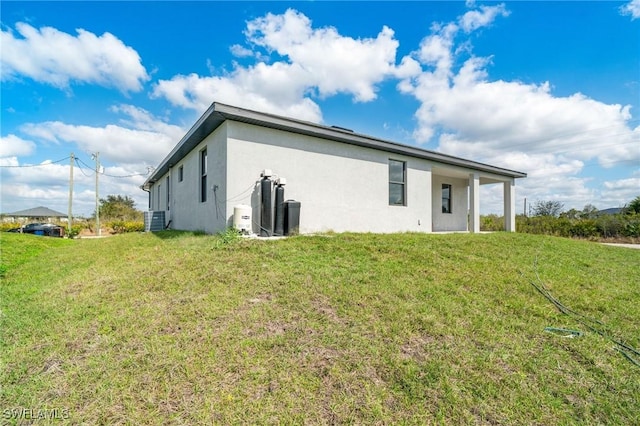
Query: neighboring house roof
{"points": [[218, 113], [37, 212]]}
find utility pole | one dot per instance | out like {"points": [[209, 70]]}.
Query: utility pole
{"points": [[69, 213], [96, 156]]}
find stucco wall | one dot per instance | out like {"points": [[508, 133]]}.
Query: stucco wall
{"points": [[340, 187], [186, 211], [457, 219]]}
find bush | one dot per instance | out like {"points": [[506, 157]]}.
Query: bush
{"points": [[122, 226], [604, 226], [75, 230], [611, 226], [632, 227], [6, 226], [584, 228], [492, 223]]}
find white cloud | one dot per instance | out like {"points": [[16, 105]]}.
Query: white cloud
{"points": [[127, 149], [511, 124], [50, 56], [240, 51], [12, 145], [47, 183], [311, 58], [632, 9], [141, 139], [474, 19], [249, 88]]}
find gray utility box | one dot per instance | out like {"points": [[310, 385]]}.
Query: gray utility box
{"points": [[154, 221], [291, 217]]}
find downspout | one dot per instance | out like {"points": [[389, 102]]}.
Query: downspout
{"points": [[148, 192]]}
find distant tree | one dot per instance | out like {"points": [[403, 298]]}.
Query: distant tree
{"points": [[119, 207], [547, 208], [589, 212], [571, 214], [634, 206]]}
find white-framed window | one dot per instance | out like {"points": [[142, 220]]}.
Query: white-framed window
{"points": [[180, 173], [446, 198], [397, 183]]}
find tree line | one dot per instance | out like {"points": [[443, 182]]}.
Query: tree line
{"points": [[550, 218]]}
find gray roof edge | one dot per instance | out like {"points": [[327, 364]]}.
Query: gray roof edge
{"points": [[346, 136], [169, 159], [40, 211], [229, 112]]}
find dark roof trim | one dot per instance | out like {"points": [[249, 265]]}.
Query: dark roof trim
{"points": [[218, 113]]}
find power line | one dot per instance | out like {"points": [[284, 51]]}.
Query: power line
{"points": [[81, 170], [39, 165]]}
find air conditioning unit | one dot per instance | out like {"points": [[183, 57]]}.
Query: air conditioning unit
{"points": [[154, 220]]}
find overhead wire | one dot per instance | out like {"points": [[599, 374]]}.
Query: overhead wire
{"points": [[113, 176], [37, 165], [77, 161]]}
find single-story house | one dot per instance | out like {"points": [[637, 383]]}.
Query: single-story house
{"points": [[36, 214], [344, 181]]}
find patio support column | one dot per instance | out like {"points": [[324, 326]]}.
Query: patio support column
{"points": [[474, 203], [427, 226], [510, 205]]}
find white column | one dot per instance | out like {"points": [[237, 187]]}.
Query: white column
{"points": [[510, 205], [474, 203], [427, 226]]}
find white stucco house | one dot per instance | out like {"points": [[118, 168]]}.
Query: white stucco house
{"points": [[344, 181]]}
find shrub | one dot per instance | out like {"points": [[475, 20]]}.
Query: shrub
{"points": [[611, 226], [75, 230], [491, 222], [6, 226], [122, 226], [584, 228], [632, 227]]}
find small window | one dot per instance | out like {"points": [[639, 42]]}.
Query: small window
{"points": [[158, 197], [203, 175], [397, 183], [446, 198], [180, 173], [168, 192]]}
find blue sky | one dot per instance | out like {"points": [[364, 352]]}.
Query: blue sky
{"points": [[548, 88]]}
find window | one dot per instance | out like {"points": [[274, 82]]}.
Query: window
{"points": [[397, 182], [203, 175], [168, 192], [446, 198], [180, 173], [158, 197]]}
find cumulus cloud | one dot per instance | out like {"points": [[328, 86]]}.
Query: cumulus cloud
{"points": [[632, 9], [509, 123], [50, 56], [309, 59], [474, 19], [142, 138], [12, 145]]}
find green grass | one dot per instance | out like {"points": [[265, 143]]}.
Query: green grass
{"points": [[177, 328]]}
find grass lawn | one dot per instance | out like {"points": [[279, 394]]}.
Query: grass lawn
{"points": [[176, 328]]}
